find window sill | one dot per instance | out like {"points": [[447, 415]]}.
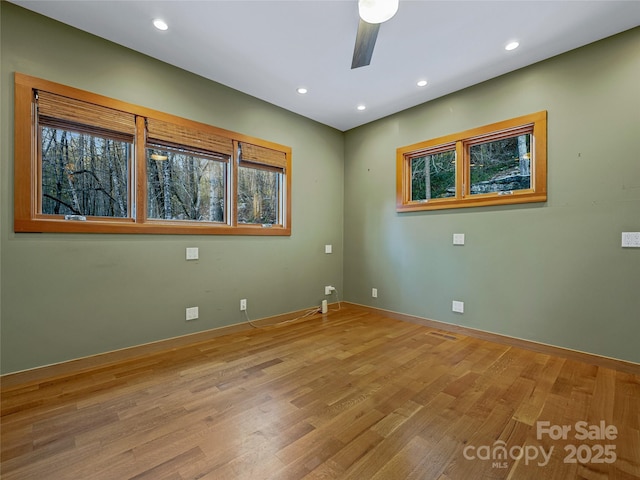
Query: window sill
{"points": [[480, 201], [128, 226]]}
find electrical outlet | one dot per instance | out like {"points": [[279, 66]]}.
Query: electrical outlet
{"points": [[328, 249], [328, 289], [192, 253], [374, 292], [457, 306], [191, 313], [243, 304]]}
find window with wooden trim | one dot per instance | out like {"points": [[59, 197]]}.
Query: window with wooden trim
{"points": [[261, 174], [88, 163], [187, 173], [501, 163]]}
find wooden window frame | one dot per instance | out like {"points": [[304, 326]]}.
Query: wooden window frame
{"points": [[535, 123], [27, 172]]}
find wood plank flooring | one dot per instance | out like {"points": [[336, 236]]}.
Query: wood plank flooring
{"points": [[351, 395]]}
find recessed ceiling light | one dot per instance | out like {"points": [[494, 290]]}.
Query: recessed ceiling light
{"points": [[511, 46], [361, 107], [422, 83], [160, 24], [302, 90]]}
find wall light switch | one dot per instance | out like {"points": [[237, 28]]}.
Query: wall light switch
{"points": [[458, 238], [631, 239], [328, 249], [192, 253]]}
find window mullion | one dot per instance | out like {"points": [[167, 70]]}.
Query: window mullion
{"points": [[36, 167], [139, 171], [462, 170], [232, 201], [406, 178]]}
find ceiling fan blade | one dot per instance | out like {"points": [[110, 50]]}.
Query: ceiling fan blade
{"points": [[365, 41]]}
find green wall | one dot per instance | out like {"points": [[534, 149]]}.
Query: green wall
{"points": [[553, 272], [67, 296]]}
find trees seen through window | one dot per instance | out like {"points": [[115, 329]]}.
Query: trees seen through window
{"points": [[88, 163]]}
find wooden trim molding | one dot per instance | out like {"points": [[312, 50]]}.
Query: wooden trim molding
{"points": [[592, 358], [58, 371]]}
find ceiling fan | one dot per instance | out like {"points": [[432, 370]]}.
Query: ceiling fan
{"points": [[372, 14]]}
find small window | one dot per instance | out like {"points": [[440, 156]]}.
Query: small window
{"points": [[183, 185], [84, 160], [84, 174], [258, 194], [187, 171], [260, 183], [433, 175], [87, 163], [501, 163]]}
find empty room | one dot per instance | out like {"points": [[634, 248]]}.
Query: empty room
{"points": [[317, 240]]}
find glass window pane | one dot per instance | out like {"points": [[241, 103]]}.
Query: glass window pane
{"points": [[433, 176], [502, 165], [258, 195], [84, 174], [184, 186]]}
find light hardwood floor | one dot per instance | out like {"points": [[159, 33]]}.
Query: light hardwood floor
{"points": [[353, 395]]}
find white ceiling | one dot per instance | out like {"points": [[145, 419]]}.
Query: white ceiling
{"points": [[268, 48]]}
